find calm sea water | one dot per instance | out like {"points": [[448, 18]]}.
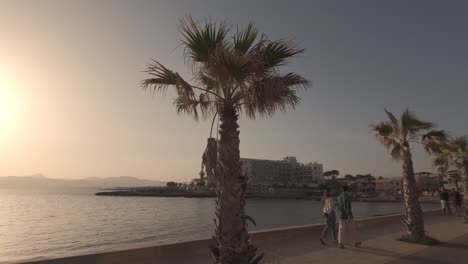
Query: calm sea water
{"points": [[50, 224]]}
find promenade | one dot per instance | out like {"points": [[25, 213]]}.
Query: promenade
{"points": [[300, 245], [381, 246]]}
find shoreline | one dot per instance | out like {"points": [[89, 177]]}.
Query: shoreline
{"points": [[293, 195], [198, 194]]}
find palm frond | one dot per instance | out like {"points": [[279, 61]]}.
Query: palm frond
{"points": [[245, 38], [393, 120], [192, 106], [278, 53], [187, 100], [227, 64], [411, 124], [161, 79], [382, 129], [432, 147], [434, 141], [435, 135], [207, 80], [461, 144], [385, 134], [452, 153], [186, 106], [272, 93], [200, 41], [397, 151]]}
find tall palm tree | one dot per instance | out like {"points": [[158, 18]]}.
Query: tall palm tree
{"points": [[397, 136], [233, 74], [455, 153]]}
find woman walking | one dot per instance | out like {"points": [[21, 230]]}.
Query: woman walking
{"points": [[328, 206]]}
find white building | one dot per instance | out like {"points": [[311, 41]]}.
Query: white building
{"points": [[388, 187], [449, 180], [453, 180], [266, 172], [283, 172]]}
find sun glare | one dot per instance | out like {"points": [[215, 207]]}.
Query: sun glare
{"points": [[9, 107]]}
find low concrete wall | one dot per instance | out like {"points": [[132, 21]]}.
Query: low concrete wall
{"points": [[195, 250]]}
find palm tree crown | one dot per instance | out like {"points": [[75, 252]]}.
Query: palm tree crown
{"points": [[396, 135], [453, 153], [241, 70], [459, 149]]}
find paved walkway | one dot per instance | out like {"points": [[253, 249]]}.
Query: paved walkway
{"points": [[381, 246]]}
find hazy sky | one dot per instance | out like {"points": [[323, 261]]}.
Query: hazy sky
{"points": [[71, 105]]}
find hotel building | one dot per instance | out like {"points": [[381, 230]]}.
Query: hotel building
{"points": [[284, 172]]}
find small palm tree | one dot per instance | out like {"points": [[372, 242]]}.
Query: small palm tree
{"points": [[233, 74], [455, 153], [397, 136]]}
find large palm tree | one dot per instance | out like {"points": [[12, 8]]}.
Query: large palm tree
{"points": [[397, 136], [233, 74], [455, 153]]}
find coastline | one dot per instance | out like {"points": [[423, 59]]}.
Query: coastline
{"points": [[206, 194], [295, 195]]}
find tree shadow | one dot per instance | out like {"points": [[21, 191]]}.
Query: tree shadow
{"points": [[398, 257]]}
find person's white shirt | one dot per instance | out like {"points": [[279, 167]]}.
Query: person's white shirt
{"points": [[328, 205]]}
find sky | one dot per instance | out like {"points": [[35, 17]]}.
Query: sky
{"points": [[71, 105]]}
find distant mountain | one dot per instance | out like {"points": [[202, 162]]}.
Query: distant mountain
{"points": [[122, 181], [37, 176], [39, 181]]}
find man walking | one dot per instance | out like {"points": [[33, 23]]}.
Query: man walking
{"points": [[457, 202], [347, 228], [444, 197]]}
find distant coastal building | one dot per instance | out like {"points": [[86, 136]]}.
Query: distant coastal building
{"points": [[453, 179], [360, 184], [430, 183], [365, 185], [388, 187], [284, 172]]}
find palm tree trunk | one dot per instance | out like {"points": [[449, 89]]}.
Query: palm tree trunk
{"points": [[465, 189], [413, 213], [231, 230]]}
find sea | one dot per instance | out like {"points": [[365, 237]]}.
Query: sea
{"points": [[43, 224]]}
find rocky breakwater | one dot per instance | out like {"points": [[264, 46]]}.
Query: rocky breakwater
{"points": [[201, 193], [158, 192]]}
